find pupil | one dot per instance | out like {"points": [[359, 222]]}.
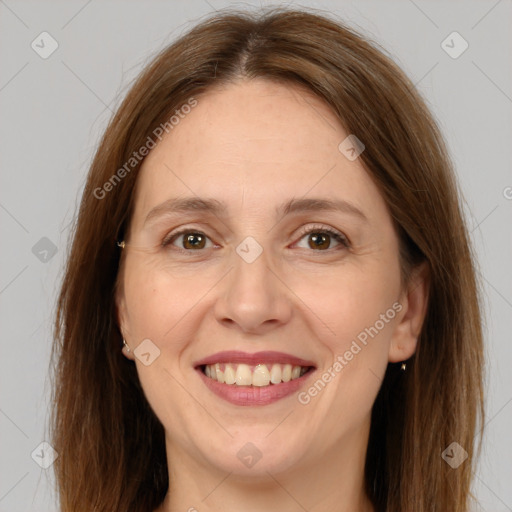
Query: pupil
{"points": [[319, 239], [190, 240]]}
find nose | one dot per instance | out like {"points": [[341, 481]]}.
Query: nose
{"points": [[254, 297]]}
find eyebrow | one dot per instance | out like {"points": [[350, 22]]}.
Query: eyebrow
{"points": [[215, 207]]}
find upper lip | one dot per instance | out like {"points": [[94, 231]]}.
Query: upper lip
{"points": [[236, 356]]}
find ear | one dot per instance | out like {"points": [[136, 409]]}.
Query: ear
{"points": [[414, 301], [122, 317]]}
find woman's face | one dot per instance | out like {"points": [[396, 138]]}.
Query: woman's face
{"points": [[273, 282]]}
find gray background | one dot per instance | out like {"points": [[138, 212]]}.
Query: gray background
{"points": [[54, 110]]}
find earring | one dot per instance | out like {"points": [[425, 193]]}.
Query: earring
{"points": [[403, 367], [126, 345], [121, 244]]}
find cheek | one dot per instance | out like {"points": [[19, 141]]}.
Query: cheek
{"points": [[344, 304], [157, 301], [157, 307], [359, 313]]}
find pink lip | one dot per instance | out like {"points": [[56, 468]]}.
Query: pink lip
{"points": [[235, 356], [253, 395]]}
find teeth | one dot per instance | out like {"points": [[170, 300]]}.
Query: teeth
{"points": [[287, 373], [243, 375], [275, 374], [259, 375], [219, 373], [229, 374]]}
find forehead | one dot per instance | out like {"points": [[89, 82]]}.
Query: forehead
{"points": [[253, 142]]}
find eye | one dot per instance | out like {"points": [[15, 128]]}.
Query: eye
{"points": [[190, 239], [320, 237]]}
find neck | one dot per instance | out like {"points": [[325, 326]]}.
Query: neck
{"points": [[333, 481]]}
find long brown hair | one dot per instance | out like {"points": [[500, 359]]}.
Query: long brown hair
{"points": [[110, 444]]}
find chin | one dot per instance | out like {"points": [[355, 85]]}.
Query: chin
{"points": [[256, 454]]}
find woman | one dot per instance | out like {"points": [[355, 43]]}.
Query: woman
{"points": [[270, 300]]}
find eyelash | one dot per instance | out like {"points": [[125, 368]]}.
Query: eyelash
{"points": [[339, 237]]}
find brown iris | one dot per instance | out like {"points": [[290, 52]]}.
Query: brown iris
{"points": [[196, 241], [320, 240]]}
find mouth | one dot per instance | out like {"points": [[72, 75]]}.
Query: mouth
{"points": [[260, 375], [253, 379]]}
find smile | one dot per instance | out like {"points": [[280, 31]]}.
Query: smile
{"points": [[253, 379], [258, 375]]}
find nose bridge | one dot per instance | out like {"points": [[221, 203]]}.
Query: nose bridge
{"points": [[251, 277], [254, 295]]}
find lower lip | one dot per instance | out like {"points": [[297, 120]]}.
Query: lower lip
{"points": [[254, 395]]}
